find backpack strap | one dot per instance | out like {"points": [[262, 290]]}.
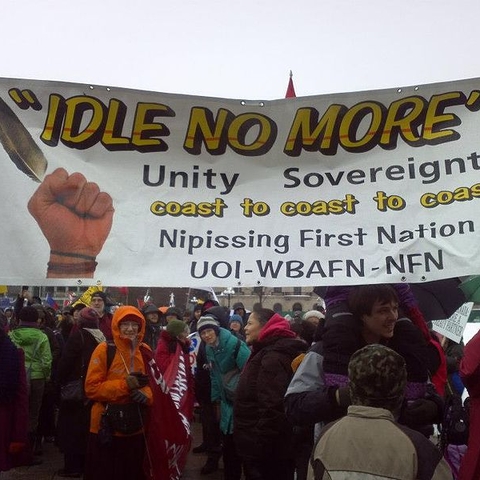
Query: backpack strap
{"points": [[111, 349], [297, 361], [237, 349]]}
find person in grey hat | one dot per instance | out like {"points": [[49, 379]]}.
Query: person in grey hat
{"points": [[369, 441], [211, 435], [153, 327], [98, 301], [239, 309], [225, 354]]}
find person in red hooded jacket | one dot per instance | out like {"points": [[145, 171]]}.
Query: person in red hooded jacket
{"points": [[263, 436], [470, 375]]}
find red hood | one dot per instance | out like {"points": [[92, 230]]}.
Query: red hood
{"points": [[277, 326]]}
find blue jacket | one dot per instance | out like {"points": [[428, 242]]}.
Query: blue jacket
{"points": [[221, 360]]}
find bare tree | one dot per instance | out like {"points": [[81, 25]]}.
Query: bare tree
{"points": [[260, 292]]}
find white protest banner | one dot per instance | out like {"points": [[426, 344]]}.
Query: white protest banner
{"points": [[454, 326], [127, 187]]}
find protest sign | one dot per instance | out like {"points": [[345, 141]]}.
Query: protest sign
{"points": [[127, 187], [454, 326]]}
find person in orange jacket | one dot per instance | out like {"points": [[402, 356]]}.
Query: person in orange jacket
{"points": [[116, 450]]}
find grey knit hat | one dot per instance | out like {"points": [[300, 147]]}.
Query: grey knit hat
{"points": [[207, 322]]}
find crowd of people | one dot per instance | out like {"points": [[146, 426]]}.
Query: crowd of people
{"points": [[359, 388]]}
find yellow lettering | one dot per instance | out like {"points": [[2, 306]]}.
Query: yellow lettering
{"points": [[76, 107], [435, 120], [189, 209], [349, 128], [412, 109], [304, 134], [203, 128], [144, 128], [320, 207]]}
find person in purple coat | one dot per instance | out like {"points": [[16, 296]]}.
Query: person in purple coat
{"points": [[13, 404]]}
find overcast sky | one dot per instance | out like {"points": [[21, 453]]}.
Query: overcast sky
{"points": [[241, 49]]}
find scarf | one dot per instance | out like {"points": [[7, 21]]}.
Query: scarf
{"points": [[96, 333]]}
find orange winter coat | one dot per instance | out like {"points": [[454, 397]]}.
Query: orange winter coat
{"points": [[111, 387]]}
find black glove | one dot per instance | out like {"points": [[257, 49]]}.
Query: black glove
{"points": [[139, 397], [420, 412], [141, 377], [343, 397], [137, 380], [132, 382]]}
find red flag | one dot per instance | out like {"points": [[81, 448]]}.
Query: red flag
{"points": [[168, 435], [179, 379], [123, 290], [290, 89]]}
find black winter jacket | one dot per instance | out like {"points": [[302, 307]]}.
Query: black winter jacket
{"points": [[261, 429]]}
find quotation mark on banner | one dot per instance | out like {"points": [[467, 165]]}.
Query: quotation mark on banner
{"points": [[25, 99], [473, 101]]}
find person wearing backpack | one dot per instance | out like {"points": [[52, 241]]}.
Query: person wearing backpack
{"points": [[38, 364], [263, 435], [118, 385], [225, 354]]}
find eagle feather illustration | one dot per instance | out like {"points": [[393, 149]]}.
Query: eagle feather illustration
{"points": [[19, 144]]}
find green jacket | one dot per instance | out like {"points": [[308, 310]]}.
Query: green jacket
{"points": [[221, 360], [37, 351]]}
